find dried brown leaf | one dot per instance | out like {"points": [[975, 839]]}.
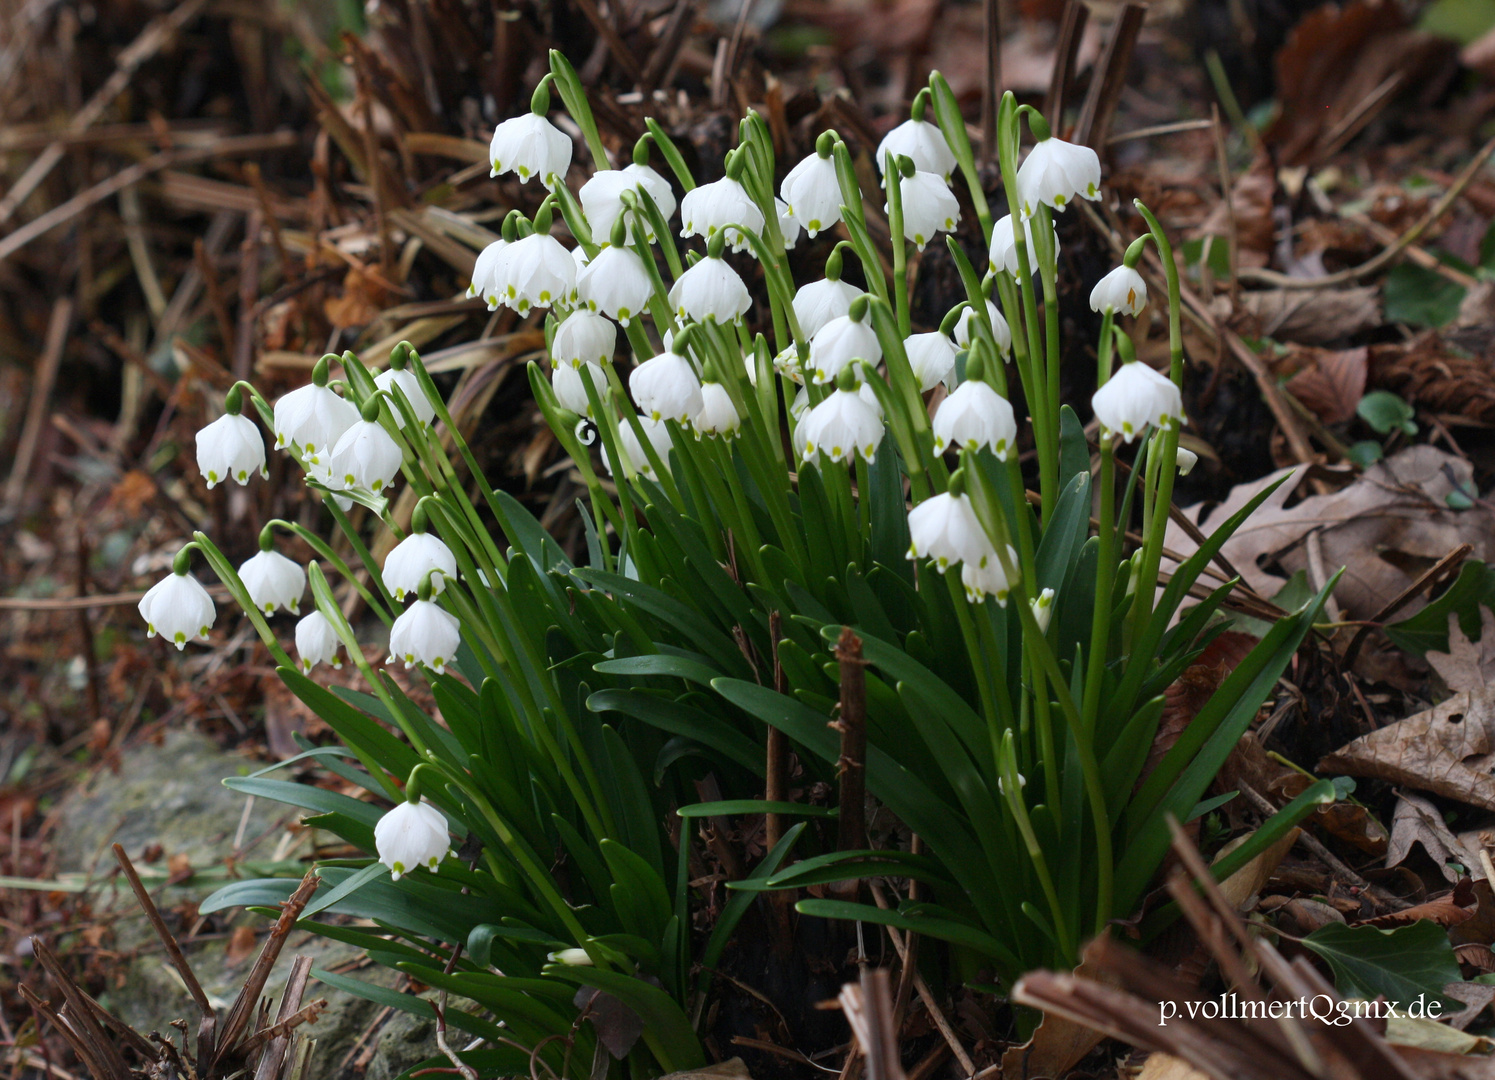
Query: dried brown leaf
{"points": [[1446, 750], [1332, 385], [1309, 316], [1467, 665]]}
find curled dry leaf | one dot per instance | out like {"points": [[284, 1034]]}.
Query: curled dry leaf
{"points": [[1385, 528], [1309, 316], [1450, 909], [1192, 690], [1448, 373], [1417, 821], [1446, 750], [1331, 383]]}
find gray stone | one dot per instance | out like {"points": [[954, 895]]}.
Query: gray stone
{"points": [[172, 795]]}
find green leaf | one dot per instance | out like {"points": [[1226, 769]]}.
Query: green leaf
{"points": [[1421, 297], [680, 719], [382, 995], [667, 1031], [1366, 453], [959, 933], [1386, 412], [307, 797], [756, 806], [1427, 631], [1462, 21], [1400, 963], [662, 664]]}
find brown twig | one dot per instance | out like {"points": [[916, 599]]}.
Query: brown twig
{"points": [[1106, 83], [1071, 30], [851, 829], [36, 410]]}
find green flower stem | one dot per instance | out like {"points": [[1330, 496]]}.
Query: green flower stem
{"points": [[1152, 557], [322, 548], [1105, 586], [979, 660], [539, 876], [230, 577], [1012, 791], [662, 234], [1049, 271], [947, 112], [671, 154], [607, 430], [707, 505], [327, 605], [856, 223], [720, 449], [894, 179], [574, 95]]}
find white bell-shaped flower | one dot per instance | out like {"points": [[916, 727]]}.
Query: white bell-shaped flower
{"points": [[425, 634], [273, 581], [410, 386], [571, 391], [988, 580], [821, 301], [718, 416], [1187, 459], [666, 388], [798, 409], [657, 434], [583, 338], [789, 225], [529, 145], [601, 200], [944, 528], [179, 609], [710, 290], [813, 193], [932, 357], [366, 457], [1135, 397], [929, 206], [1122, 290], [616, 283], [317, 642], [570, 957], [230, 448], [867, 394], [1004, 246], [999, 328], [785, 363], [922, 143], [579, 257], [647, 177], [483, 281], [838, 343], [311, 419], [409, 561], [536, 271], [708, 208], [1055, 172], [975, 415], [411, 835], [842, 427]]}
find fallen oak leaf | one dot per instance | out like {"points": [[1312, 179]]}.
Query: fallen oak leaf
{"points": [[1417, 821], [1452, 908], [1466, 665]]}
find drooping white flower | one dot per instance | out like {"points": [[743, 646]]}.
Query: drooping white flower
{"points": [[813, 193], [785, 363], [708, 208], [1187, 459], [929, 206], [571, 391], [311, 419], [231, 447], [273, 581], [529, 145], [867, 394], [999, 329], [821, 301], [1004, 246], [1043, 609], [657, 434], [425, 634], [409, 561], [1122, 290], [365, 457], [666, 388], [710, 290], [798, 410], [975, 415], [483, 283], [410, 386], [1135, 397], [601, 200], [179, 609], [842, 427], [989, 580], [317, 642], [536, 271], [583, 338], [1055, 172], [657, 186], [944, 528], [922, 143], [718, 416], [789, 225], [838, 343], [932, 356], [570, 957], [616, 283], [411, 835], [579, 257]]}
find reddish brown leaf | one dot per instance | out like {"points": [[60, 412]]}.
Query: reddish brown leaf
{"points": [[1333, 384], [1450, 909], [1191, 690]]}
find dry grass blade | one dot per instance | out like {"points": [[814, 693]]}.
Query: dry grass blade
{"points": [[869, 1010]]}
